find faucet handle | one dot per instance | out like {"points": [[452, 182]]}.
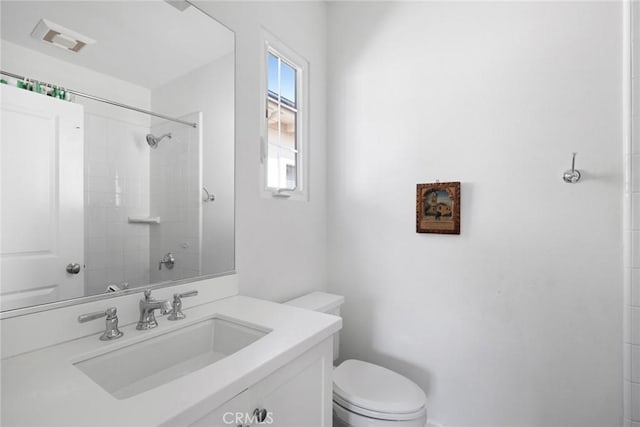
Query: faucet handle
{"points": [[176, 306], [111, 330], [186, 294], [168, 260], [109, 312], [147, 294]]}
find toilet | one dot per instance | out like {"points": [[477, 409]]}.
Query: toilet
{"points": [[364, 394]]}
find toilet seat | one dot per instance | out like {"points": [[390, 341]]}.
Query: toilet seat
{"points": [[376, 392], [367, 413]]}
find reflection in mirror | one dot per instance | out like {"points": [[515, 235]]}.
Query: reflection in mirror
{"points": [[117, 148]]}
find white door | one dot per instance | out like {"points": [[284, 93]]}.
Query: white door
{"points": [[42, 199]]}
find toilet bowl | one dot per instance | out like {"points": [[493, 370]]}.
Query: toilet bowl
{"points": [[364, 394]]}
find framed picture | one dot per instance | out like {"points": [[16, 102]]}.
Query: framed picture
{"points": [[438, 208]]}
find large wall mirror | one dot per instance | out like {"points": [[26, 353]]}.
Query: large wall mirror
{"points": [[117, 148]]}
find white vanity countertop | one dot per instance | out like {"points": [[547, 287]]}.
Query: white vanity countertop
{"points": [[43, 388]]}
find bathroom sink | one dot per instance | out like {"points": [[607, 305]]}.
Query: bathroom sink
{"points": [[147, 364]]}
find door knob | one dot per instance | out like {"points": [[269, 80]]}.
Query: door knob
{"points": [[73, 268]]}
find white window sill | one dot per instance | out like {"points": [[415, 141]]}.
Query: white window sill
{"points": [[285, 195]]}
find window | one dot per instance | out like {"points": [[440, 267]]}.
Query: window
{"points": [[283, 151]]}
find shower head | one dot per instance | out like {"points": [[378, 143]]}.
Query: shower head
{"points": [[154, 140]]}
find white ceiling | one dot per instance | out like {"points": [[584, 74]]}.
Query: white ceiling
{"points": [[148, 43]]}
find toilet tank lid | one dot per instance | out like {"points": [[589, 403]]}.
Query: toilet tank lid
{"points": [[318, 301]]}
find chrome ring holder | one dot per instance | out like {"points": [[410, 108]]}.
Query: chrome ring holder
{"points": [[208, 196], [572, 175]]}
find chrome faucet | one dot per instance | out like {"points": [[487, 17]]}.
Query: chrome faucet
{"points": [[148, 306], [176, 306], [111, 331], [168, 260]]}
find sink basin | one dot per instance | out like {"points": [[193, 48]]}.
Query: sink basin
{"points": [[147, 364]]}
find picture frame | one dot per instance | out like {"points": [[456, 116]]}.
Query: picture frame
{"points": [[438, 208]]}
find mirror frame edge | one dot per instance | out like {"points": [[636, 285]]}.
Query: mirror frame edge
{"points": [[23, 311]]}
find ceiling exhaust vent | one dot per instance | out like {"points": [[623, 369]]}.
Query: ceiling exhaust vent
{"points": [[59, 36]]}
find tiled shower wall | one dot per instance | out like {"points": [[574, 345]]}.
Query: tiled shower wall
{"points": [[632, 231], [116, 187], [176, 198]]}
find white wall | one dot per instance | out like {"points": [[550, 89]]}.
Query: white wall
{"points": [[280, 244], [517, 321]]}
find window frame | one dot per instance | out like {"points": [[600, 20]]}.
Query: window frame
{"points": [[273, 45]]}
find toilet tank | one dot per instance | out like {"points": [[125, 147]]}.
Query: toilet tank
{"points": [[325, 303]]}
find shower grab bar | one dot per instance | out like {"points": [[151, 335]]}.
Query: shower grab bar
{"points": [[97, 98]]}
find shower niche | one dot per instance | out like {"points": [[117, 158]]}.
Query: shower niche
{"points": [[157, 129]]}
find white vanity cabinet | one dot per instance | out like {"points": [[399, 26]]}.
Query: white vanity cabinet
{"points": [[225, 415], [287, 371], [298, 394]]}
